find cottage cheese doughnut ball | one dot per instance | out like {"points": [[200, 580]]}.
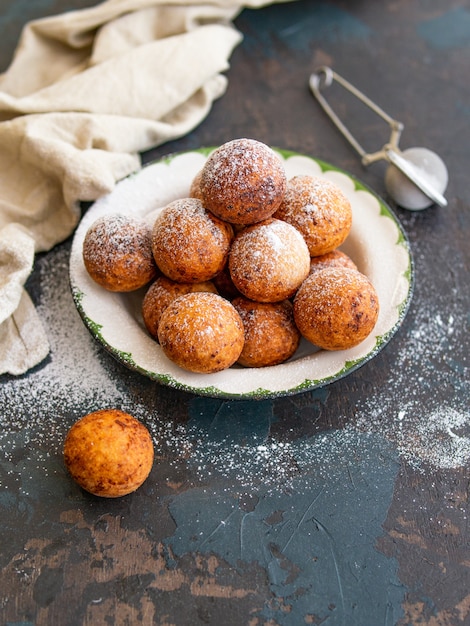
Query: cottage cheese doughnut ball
{"points": [[108, 453], [319, 210], [189, 244], [195, 187], [336, 308], [271, 336], [117, 253], [161, 293], [201, 332], [268, 261], [336, 258], [243, 181], [224, 284]]}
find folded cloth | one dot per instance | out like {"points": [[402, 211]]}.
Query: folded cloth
{"points": [[86, 92], [23, 340]]}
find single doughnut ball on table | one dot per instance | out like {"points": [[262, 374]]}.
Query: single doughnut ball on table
{"points": [[243, 181], [117, 253], [268, 261], [189, 244], [109, 453], [159, 295], [319, 210], [271, 336], [201, 332], [336, 258], [336, 308]]}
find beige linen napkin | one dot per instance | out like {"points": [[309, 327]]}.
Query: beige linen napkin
{"points": [[85, 93]]}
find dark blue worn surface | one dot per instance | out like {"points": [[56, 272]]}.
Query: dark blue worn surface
{"points": [[295, 529]]}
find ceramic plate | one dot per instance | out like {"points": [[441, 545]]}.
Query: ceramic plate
{"points": [[376, 243]]}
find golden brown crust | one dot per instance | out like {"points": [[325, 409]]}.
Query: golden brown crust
{"points": [[190, 245], [117, 253], [335, 258], [161, 293], [268, 261], [201, 332], [336, 308], [195, 188], [243, 181], [108, 453], [319, 210], [246, 234], [271, 336], [224, 284]]}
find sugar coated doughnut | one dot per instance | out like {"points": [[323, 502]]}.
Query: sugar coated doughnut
{"points": [[243, 181], [195, 187], [336, 258], [201, 332], [241, 269], [159, 295], [190, 244], [224, 284], [117, 253], [319, 210], [336, 308], [269, 260], [271, 336], [108, 453]]}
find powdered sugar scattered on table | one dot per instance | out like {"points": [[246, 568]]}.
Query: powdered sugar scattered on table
{"points": [[435, 431], [75, 380], [72, 377]]}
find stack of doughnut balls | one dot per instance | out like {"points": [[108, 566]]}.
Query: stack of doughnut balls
{"points": [[241, 269]]}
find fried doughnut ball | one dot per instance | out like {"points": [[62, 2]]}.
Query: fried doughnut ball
{"points": [[161, 293], [108, 453], [319, 210], [271, 336], [201, 332], [195, 188], [268, 261], [224, 284], [117, 253], [243, 181], [336, 308], [190, 245], [336, 258]]}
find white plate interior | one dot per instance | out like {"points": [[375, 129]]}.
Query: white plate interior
{"points": [[376, 244]]}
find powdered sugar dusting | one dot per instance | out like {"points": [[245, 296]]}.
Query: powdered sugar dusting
{"points": [[243, 181], [71, 381], [318, 208], [374, 243], [117, 252], [119, 231], [75, 380], [201, 332], [189, 244], [174, 219], [269, 260], [408, 409], [234, 163], [269, 462], [313, 194]]}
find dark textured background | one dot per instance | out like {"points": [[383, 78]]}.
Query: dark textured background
{"points": [[346, 521]]}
